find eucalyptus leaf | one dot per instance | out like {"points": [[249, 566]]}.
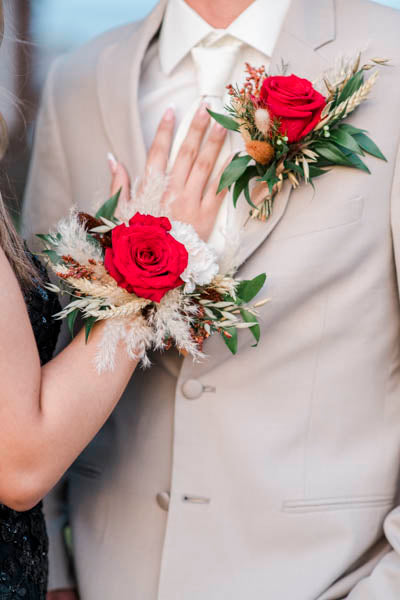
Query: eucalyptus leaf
{"points": [[233, 171], [224, 120], [107, 210]]}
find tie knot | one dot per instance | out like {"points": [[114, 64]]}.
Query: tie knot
{"points": [[214, 60]]}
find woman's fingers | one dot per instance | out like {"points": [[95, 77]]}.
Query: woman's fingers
{"points": [[212, 200], [190, 148], [157, 159], [205, 162], [120, 181]]}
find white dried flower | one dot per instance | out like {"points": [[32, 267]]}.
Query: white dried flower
{"points": [[262, 121], [202, 266]]}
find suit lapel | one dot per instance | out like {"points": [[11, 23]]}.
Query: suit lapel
{"points": [[118, 75], [308, 28]]}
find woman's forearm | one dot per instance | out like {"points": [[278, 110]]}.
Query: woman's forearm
{"points": [[50, 421]]}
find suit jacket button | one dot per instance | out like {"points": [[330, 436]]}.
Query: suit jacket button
{"points": [[192, 389], [163, 499]]}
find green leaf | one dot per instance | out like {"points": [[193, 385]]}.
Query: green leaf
{"points": [[224, 120], [248, 197], [270, 177], [53, 256], [369, 146], [249, 318], [89, 323], [351, 129], [248, 289], [71, 318], [315, 171], [242, 182], [351, 87], [233, 171], [270, 172], [108, 209], [289, 164], [231, 342], [345, 139], [333, 154], [47, 238], [356, 162]]}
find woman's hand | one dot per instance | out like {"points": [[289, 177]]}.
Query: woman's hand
{"points": [[187, 196]]}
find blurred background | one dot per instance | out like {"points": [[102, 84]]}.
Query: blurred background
{"points": [[36, 32]]}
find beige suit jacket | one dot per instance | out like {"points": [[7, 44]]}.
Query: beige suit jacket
{"points": [[282, 463]]}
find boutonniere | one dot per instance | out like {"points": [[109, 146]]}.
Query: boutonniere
{"points": [[293, 131]]}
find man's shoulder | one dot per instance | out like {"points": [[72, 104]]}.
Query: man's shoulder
{"points": [[369, 18]]}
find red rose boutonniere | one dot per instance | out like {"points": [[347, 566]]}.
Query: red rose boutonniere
{"points": [[294, 103], [293, 131]]}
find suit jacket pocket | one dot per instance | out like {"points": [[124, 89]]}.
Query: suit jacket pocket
{"points": [[321, 215], [309, 505]]}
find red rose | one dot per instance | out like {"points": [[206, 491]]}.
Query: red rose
{"points": [[144, 258], [294, 102]]}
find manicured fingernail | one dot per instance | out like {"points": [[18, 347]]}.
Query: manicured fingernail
{"points": [[112, 161], [169, 114]]}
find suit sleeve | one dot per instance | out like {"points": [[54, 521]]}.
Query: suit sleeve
{"points": [[61, 574], [384, 581], [48, 194], [47, 200]]}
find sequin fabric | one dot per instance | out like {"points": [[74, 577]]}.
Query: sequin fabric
{"points": [[23, 537]]}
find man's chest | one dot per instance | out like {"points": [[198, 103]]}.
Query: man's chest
{"points": [[158, 91]]}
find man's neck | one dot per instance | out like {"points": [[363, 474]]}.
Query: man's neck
{"points": [[219, 13]]}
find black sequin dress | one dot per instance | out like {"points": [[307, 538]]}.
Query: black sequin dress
{"points": [[23, 537]]}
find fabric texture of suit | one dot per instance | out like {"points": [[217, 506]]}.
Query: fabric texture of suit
{"points": [[283, 481]]}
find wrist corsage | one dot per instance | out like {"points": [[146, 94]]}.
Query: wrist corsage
{"points": [[154, 281]]}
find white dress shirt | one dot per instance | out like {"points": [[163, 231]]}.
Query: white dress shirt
{"points": [[169, 74]]}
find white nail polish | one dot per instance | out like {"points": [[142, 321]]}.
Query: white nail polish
{"points": [[112, 161]]}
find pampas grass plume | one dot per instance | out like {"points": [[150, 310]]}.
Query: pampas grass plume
{"points": [[262, 121]]}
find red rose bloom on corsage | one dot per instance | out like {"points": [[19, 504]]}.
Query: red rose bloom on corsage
{"points": [[145, 258], [293, 101]]}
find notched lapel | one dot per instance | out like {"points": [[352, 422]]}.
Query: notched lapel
{"points": [[309, 26], [118, 74]]}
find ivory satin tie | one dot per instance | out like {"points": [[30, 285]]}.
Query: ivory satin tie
{"points": [[214, 61]]}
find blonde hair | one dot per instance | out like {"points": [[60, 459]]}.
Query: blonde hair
{"points": [[10, 241]]}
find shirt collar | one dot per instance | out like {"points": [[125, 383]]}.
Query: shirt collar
{"points": [[258, 26]]}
